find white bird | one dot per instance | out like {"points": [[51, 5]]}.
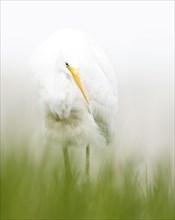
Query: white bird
{"points": [[77, 91]]}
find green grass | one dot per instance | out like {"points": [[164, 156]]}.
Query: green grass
{"points": [[32, 190]]}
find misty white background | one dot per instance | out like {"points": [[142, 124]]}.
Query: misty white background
{"points": [[138, 38]]}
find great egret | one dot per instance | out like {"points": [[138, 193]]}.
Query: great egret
{"points": [[77, 91]]}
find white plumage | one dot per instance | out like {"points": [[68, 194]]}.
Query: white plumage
{"points": [[74, 118]]}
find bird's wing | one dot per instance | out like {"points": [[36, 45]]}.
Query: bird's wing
{"points": [[103, 95]]}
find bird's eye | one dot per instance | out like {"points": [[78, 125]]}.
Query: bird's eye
{"points": [[67, 64]]}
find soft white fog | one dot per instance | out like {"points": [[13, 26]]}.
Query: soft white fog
{"points": [[138, 38]]}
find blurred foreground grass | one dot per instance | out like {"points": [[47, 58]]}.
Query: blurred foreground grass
{"points": [[31, 190]]}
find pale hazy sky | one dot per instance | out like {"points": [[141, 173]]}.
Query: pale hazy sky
{"points": [[137, 36]]}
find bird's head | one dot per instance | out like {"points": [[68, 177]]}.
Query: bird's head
{"points": [[75, 74], [72, 68]]}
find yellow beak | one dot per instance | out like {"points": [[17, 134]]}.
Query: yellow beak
{"points": [[76, 77]]}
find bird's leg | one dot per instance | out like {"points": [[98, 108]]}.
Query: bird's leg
{"points": [[66, 162], [87, 163]]}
